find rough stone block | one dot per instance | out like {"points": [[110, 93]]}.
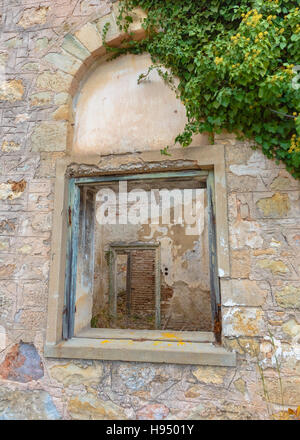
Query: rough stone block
{"points": [[240, 385], [31, 319], [34, 16], [49, 136], [10, 146], [8, 296], [41, 202], [292, 328], [4, 244], [275, 266], [211, 375], [254, 166], [40, 99], [289, 394], [288, 297], [22, 364], [240, 264], [113, 30], [155, 411], [34, 295], [31, 67], [89, 407], [7, 268], [41, 43], [71, 374], [62, 113], [275, 206], [61, 98], [243, 321], [75, 48], [47, 165], [27, 405], [242, 345], [284, 182], [12, 90], [65, 62], [12, 190], [56, 82], [89, 36], [244, 293], [245, 233]]}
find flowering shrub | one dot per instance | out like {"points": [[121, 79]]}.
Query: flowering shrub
{"points": [[237, 64]]}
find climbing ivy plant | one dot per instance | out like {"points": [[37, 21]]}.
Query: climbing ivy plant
{"points": [[238, 64]]}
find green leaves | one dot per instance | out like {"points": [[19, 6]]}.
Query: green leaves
{"points": [[234, 61]]}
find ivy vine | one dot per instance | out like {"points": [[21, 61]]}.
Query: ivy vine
{"points": [[238, 64]]}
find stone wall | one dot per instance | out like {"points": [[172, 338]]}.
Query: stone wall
{"points": [[261, 300]]}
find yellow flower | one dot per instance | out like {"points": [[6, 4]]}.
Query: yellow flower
{"points": [[295, 144], [218, 60]]}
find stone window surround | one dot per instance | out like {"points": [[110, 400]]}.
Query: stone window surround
{"points": [[139, 345]]}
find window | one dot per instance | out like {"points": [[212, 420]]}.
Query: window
{"points": [[140, 271]]}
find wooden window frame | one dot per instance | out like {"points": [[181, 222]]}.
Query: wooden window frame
{"points": [[78, 189], [87, 344]]}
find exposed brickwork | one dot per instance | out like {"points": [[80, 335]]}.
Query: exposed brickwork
{"points": [[142, 298]]}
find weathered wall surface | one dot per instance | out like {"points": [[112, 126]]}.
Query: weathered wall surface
{"points": [[262, 295], [185, 289], [145, 116]]}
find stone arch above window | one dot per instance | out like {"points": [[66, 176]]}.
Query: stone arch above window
{"points": [[106, 110], [68, 62], [114, 113]]}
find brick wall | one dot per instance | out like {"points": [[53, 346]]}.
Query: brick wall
{"points": [[143, 284]]}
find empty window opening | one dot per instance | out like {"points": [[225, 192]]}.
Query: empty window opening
{"points": [[144, 257]]}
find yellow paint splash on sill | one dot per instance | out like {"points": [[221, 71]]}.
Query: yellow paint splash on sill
{"points": [[173, 336], [169, 336]]}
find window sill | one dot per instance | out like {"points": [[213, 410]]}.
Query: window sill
{"points": [[146, 335], [137, 350]]}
